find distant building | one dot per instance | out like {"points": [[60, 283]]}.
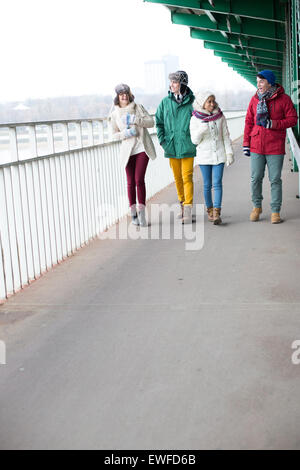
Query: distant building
{"points": [[171, 65], [154, 76], [157, 73]]}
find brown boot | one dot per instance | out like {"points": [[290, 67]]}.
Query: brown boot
{"points": [[275, 218], [216, 216], [254, 216], [210, 213]]}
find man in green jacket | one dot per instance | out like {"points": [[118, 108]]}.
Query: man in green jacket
{"points": [[173, 130]]}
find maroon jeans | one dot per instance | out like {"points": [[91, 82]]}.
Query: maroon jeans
{"points": [[135, 171]]}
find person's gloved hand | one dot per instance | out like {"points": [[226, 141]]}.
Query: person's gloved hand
{"points": [[132, 132], [265, 122], [246, 151], [229, 159], [128, 119]]}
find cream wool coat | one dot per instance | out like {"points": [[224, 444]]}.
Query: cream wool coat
{"points": [[143, 120], [212, 138]]}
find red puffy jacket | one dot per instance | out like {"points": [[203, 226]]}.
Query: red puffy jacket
{"points": [[283, 115]]}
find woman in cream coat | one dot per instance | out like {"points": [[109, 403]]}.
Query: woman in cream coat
{"points": [[209, 132], [129, 124]]}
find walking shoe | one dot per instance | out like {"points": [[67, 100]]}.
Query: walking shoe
{"points": [[275, 218], [254, 216], [134, 216], [135, 220], [187, 214], [180, 214], [216, 216], [142, 216], [210, 213]]}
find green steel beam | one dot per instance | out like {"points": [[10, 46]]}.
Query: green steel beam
{"points": [[258, 66], [243, 66], [242, 41], [249, 27], [237, 57], [265, 10], [211, 16], [247, 75], [243, 52], [244, 72], [240, 64]]}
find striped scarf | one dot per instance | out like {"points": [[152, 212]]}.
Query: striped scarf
{"points": [[262, 112], [208, 118]]}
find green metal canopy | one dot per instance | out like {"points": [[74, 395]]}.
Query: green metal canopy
{"points": [[248, 36]]}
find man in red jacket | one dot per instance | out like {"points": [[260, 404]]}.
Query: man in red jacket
{"points": [[269, 114]]}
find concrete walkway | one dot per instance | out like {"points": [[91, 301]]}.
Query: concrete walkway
{"points": [[144, 345]]}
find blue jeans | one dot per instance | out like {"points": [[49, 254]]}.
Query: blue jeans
{"points": [[274, 164], [212, 177]]}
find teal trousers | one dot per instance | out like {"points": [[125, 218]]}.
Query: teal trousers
{"points": [[258, 165]]}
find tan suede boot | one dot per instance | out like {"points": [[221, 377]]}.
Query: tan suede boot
{"points": [[254, 216], [210, 213], [216, 216], [275, 218]]}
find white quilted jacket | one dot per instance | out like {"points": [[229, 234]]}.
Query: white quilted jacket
{"points": [[212, 140]]}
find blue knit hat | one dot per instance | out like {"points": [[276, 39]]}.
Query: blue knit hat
{"points": [[268, 75]]}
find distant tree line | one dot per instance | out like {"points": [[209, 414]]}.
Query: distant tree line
{"points": [[97, 106]]}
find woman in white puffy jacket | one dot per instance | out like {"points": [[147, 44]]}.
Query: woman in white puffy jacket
{"points": [[209, 132], [129, 124]]}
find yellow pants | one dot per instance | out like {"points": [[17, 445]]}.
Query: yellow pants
{"points": [[183, 174]]}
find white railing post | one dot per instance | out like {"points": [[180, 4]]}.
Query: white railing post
{"points": [[32, 141], [90, 134], [13, 144], [101, 132], [65, 137], [50, 138], [78, 134], [109, 130]]}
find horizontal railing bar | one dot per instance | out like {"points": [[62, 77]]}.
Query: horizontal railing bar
{"points": [[57, 154], [65, 121], [47, 123]]}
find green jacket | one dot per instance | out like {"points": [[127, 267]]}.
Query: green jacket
{"points": [[173, 126]]}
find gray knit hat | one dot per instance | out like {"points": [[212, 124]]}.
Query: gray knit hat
{"points": [[179, 76], [122, 88]]}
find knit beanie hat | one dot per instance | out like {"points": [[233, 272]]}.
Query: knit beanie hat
{"points": [[122, 88], [200, 99], [268, 75]]}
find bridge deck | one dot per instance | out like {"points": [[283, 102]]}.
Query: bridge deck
{"points": [[144, 345]]}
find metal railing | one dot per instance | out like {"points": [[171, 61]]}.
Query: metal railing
{"points": [[52, 205], [295, 151], [20, 141]]}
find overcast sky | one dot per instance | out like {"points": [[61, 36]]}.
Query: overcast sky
{"points": [[74, 47]]}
